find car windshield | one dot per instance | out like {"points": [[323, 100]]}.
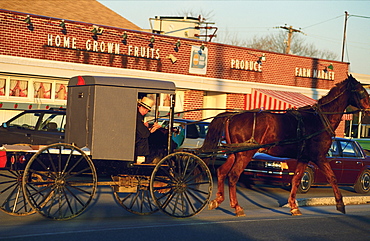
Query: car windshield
{"points": [[39, 122], [27, 121]]}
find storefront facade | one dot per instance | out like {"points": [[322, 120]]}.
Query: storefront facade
{"points": [[39, 54]]}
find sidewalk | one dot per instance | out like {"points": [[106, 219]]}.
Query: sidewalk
{"points": [[319, 201]]}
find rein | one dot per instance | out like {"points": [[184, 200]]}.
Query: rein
{"points": [[324, 119]]}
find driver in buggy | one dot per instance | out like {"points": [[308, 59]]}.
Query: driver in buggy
{"points": [[143, 130]]}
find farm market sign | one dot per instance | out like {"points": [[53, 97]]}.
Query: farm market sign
{"points": [[319, 74], [102, 47]]}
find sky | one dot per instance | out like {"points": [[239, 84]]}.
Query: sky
{"points": [[322, 22]]}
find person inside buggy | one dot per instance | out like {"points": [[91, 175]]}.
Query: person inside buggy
{"points": [[143, 130]]}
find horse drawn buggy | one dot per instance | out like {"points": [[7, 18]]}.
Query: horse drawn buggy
{"points": [[60, 180]]}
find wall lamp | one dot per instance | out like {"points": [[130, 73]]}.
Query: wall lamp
{"points": [[330, 66], [151, 40], [96, 30], [63, 26], [29, 22], [201, 49], [124, 38], [260, 58], [177, 45]]}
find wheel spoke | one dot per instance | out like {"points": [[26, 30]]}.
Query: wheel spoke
{"points": [[12, 199], [10, 194], [186, 185], [45, 168], [64, 192]]}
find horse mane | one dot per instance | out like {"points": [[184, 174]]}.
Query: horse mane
{"points": [[337, 90]]}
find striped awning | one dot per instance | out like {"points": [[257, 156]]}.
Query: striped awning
{"points": [[276, 100]]}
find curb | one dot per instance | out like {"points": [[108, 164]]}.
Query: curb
{"points": [[320, 201]]}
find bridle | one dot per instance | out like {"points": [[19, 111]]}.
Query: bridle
{"points": [[359, 95]]}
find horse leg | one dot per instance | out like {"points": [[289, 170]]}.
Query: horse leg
{"points": [[222, 171], [299, 171], [330, 177], [242, 160]]}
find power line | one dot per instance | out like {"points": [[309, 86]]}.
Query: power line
{"points": [[358, 16], [323, 22]]}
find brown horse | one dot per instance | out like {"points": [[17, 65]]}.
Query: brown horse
{"points": [[305, 134]]}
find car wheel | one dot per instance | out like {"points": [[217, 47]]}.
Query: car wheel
{"points": [[362, 184], [306, 181]]}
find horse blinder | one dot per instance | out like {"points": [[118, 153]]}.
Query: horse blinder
{"points": [[361, 93]]}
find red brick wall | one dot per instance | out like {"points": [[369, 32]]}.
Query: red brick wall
{"points": [[193, 100], [18, 40], [339, 132], [235, 101]]}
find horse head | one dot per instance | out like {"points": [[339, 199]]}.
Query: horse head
{"points": [[359, 96]]}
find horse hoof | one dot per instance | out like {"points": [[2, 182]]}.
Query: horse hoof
{"points": [[295, 212], [212, 205], [240, 213], [341, 208]]}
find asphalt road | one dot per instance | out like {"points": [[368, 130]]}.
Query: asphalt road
{"points": [[266, 219]]}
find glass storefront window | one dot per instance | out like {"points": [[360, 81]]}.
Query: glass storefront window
{"points": [[42, 90], [18, 88], [2, 86], [60, 91]]}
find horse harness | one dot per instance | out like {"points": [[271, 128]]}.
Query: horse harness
{"points": [[301, 135]]}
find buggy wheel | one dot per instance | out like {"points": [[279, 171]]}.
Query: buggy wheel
{"points": [[12, 198], [60, 181], [181, 185], [137, 201]]}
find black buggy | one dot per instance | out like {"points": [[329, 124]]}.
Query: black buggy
{"points": [[60, 180]]}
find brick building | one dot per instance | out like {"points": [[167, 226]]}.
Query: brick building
{"points": [[38, 55]]}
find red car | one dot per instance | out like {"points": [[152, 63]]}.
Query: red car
{"points": [[349, 162]]}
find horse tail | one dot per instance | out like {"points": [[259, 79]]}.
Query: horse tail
{"points": [[215, 131]]}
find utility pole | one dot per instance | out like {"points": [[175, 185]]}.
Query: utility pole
{"points": [[290, 30], [344, 33]]}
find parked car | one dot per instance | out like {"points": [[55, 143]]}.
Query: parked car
{"points": [[36, 127], [195, 131], [347, 159]]}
